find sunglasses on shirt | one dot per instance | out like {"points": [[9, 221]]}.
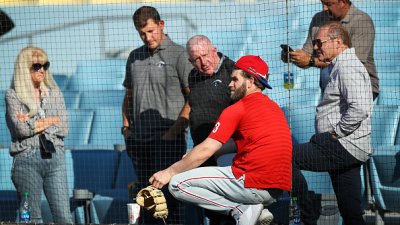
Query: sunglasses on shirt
{"points": [[37, 66]]}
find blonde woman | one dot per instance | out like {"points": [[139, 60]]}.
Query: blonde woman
{"points": [[35, 107]]}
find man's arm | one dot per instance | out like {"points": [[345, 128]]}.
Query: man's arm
{"points": [[126, 120], [363, 37], [302, 59], [197, 156]]}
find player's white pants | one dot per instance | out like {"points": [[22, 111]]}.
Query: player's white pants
{"points": [[217, 189]]}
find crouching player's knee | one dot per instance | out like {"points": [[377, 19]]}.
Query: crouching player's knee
{"points": [[173, 186]]}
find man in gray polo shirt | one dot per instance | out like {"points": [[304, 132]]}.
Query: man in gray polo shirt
{"points": [[362, 33], [155, 112]]}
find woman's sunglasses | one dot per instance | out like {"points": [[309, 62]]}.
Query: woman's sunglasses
{"points": [[37, 66]]}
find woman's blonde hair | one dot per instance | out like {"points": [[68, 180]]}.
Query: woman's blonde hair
{"points": [[22, 80]]}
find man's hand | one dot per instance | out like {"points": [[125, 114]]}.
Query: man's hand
{"points": [[300, 58], [161, 178], [284, 56], [126, 132]]}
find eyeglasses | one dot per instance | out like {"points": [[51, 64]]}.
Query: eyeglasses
{"points": [[319, 43], [37, 66]]}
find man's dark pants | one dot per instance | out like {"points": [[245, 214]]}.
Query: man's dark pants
{"points": [[325, 154], [150, 157]]}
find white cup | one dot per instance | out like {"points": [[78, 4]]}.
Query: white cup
{"points": [[133, 213]]}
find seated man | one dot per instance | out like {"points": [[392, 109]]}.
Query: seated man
{"points": [[261, 169], [343, 128]]}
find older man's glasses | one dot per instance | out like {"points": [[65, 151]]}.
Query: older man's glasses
{"points": [[37, 66], [319, 43]]}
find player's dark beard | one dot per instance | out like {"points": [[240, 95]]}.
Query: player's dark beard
{"points": [[239, 93]]}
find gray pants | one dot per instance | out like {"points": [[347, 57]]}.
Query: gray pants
{"points": [[33, 174], [217, 189]]}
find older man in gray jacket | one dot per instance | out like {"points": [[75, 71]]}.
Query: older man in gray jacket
{"points": [[342, 122]]}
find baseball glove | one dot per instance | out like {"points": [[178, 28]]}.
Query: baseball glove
{"points": [[153, 200]]}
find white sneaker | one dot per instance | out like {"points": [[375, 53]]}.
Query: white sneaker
{"points": [[250, 216], [265, 218]]}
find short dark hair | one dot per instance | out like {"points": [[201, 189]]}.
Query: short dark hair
{"points": [[143, 14], [337, 30], [346, 1], [248, 75]]}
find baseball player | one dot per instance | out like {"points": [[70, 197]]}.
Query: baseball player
{"points": [[261, 169]]}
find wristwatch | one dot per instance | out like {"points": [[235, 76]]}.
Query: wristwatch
{"points": [[124, 128], [311, 62]]}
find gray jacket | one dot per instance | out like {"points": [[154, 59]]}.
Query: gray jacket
{"points": [[23, 134], [346, 105]]}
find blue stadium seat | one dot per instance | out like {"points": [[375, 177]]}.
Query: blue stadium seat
{"points": [[101, 74], [387, 62], [385, 178], [5, 136], [92, 169], [106, 128], [61, 80], [2, 102], [385, 161], [106, 174], [389, 78], [8, 195], [384, 14], [126, 173], [9, 205], [111, 204], [294, 97], [72, 99], [5, 170], [389, 96], [319, 182], [397, 140], [80, 124], [77, 208], [385, 120], [96, 99], [301, 120], [307, 78]]}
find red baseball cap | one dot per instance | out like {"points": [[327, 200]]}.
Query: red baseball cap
{"points": [[255, 66]]}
